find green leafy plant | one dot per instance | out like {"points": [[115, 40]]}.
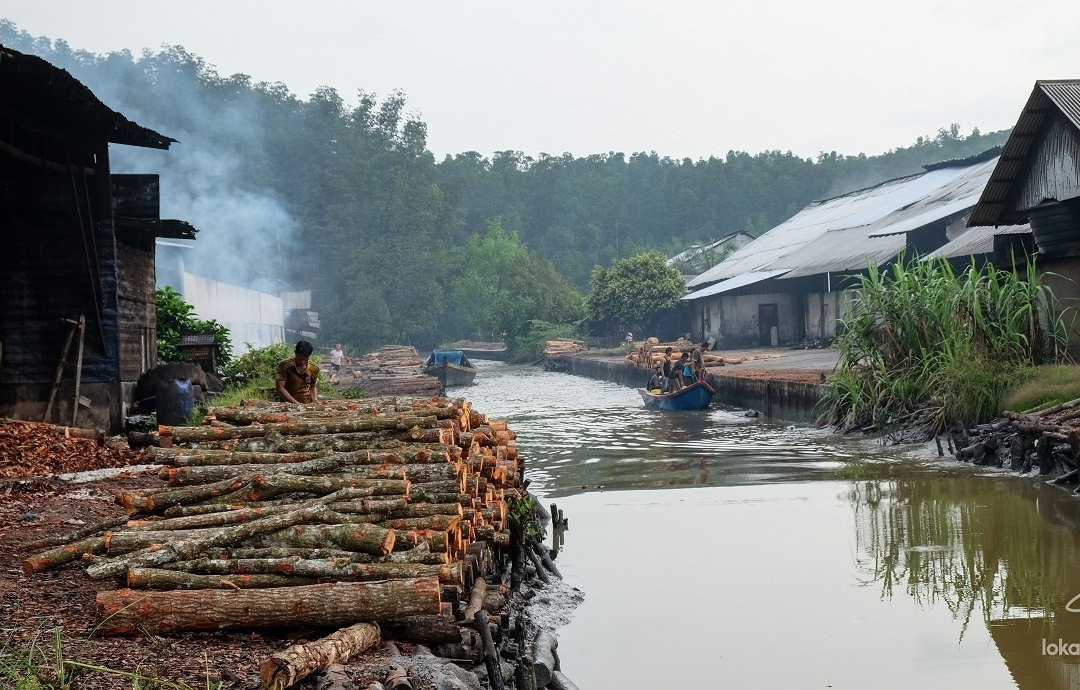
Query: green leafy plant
{"points": [[921, 335], [258, 365], [523, 516], [175, 318]]}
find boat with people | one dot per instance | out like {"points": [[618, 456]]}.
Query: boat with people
{"points": [[694, 396], [451, 367]]}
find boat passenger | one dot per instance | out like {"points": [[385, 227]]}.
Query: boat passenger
{"points": [[679, 375], [657, 383], [697, 359]]}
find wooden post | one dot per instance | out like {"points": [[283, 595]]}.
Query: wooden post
{"points": [[78, 370], [60, 368]]}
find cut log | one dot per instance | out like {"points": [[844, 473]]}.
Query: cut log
{"points": [[427, 629], [325, 569], [363, 538], [544, 664], [134, 502], [186, 457], [63, 554], [334, 677], [491, 655], [187, 434], [81, 533], [186, 550], [182, 476], [127, 611], [476, 598], [156, 578], [285, 669], [559, 681], [269, 485], [436, 541]]}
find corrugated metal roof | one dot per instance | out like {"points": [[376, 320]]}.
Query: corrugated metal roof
{"points": [[977, 240], [736, 282], [48, 95], [1064, 95], [847, 233]]}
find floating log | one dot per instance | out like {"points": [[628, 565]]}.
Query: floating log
{"points": [[284, 669], [127, 611]]}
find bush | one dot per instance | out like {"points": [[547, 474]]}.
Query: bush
{"points": [[257, 366], [530, 345], [174, 318]]}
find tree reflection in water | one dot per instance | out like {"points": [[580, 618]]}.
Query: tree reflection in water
{"points": [[1005, 550]]}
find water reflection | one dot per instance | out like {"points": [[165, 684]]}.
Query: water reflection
{"points": [[998, 552], [839, 553]]}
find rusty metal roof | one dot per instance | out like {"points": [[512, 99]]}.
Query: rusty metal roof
{"points": [[1063, 95], [44, 96], [847, 233]]}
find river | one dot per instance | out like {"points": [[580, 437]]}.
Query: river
{"points": [[720, 551]]}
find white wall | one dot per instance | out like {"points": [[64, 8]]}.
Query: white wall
{"points": [[251, 317]]}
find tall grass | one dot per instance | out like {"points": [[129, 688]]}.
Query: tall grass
{"points": [[920, 335]]}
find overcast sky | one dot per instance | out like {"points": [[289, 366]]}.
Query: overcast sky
{"points": [[682, 78]]}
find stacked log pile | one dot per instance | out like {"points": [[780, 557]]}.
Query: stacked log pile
{"points": [[385, 517], [561, 347], [1045, 440], [650, 353], [391, 370]]}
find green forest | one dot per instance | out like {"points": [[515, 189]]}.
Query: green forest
{"points": [[399, 247]]}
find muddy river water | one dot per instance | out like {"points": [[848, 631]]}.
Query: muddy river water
{"points": [[720, 551]]}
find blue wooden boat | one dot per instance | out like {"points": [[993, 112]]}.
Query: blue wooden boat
{"points": [[696, 396]]}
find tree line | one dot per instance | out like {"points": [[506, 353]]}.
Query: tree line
{"points": [[400, 247]]}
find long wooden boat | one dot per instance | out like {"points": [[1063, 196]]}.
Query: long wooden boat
{"points": [[695, 396], [451, 367], [494, 351]]}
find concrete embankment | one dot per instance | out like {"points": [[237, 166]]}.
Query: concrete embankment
{"points": [[776, 397]]}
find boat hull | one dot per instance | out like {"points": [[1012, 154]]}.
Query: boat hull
{"points": [[455, 374], [696, 396]]}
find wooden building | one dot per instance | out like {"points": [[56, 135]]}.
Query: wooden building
{"points": [[77, 318], [1037, 181]]}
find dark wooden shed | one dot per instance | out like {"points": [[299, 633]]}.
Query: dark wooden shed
{"points": [[78, 248]]}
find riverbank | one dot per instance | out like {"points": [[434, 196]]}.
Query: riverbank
{"points": [[779, 383]]}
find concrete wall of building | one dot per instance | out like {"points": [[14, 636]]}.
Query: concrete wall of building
{"points": [[733, 319], [252, 317], [825, 311]]}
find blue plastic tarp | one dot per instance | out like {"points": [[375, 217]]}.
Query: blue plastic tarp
{"points": [[451, 356]]}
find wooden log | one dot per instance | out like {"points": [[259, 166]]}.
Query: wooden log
{"points": [[141, 502], [186, 457], [545, 558], [543, 652], [363, 538], [333, 677], [436, 629], [79, 534], [436, 541], [157, 578], [491, 655], [284, 669], [429, 522], [344, 495], [358, 462], [559, 681], [342, 571], [541, 571], [63, 554], [269, 485], [476, 598], [186, 550], [183, 434], [127, 611], [420, 554]]}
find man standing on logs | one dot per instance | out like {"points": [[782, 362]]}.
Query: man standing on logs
{"points": [[297, 378]]}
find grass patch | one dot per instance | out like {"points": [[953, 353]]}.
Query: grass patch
{"points": [[1044, 386], [41, 664]]}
